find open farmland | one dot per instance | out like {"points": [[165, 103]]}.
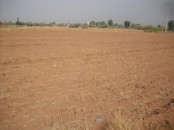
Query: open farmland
{"points": [[64, 78]]}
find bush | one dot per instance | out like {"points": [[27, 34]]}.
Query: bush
{"points": [[74, 25], [84, 26], [92, 24], [101, 24], [149, 28]]}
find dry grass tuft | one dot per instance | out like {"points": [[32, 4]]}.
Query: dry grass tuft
{"points": [[119, 123]]}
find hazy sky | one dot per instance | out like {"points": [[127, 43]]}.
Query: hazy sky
{"points": [[147, 12]]}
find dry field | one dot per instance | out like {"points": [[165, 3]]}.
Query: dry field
{"points": [[79, 79]]}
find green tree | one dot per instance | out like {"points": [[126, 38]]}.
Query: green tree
{"points": [[92, 24], [110, 22], [127, 23], [171, 25]]}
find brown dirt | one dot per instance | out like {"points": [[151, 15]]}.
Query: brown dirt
{"points": [[62, 78]]}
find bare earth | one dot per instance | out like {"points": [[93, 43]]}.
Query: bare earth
{"points": [[64, 78]]}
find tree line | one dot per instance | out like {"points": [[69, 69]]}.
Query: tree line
{"points": [[127, 24], [99, 24]]}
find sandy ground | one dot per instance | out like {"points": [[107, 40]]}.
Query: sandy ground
{"points": [[64, 78]]}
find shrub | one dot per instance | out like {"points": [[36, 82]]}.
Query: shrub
{"points": [[74, 25]]}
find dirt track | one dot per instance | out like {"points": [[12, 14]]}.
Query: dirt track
{"points": [[61, 78]]}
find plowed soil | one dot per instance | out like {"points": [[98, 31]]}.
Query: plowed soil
{"points": [[65, 78]]}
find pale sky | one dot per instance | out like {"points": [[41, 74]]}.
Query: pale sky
{"points": [[146, 12]]}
